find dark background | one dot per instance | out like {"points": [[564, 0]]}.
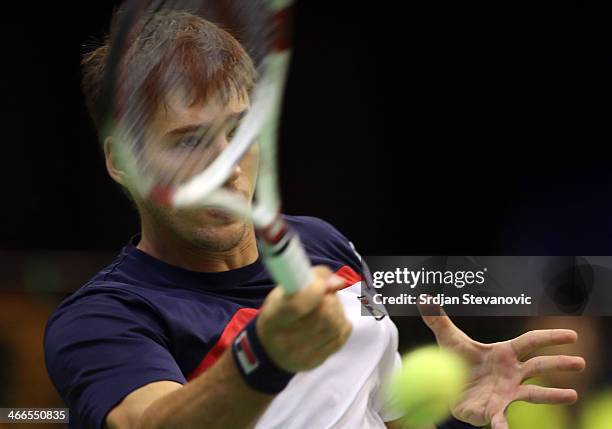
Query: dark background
{"points": [[433, 127], [417, 128]]}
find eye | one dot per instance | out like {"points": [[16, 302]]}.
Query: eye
{"points": [[232, 131], [189, 142]]}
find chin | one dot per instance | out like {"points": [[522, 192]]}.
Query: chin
{"points": [[220, 236]]}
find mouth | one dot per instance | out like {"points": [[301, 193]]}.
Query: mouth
{"points": [[220, 214]]}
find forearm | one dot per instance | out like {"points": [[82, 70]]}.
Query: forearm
{"points": [[219, 398]]}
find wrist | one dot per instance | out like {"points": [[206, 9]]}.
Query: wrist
{"points": [[255, 365]]}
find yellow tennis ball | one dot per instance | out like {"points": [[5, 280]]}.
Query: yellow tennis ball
{"points": [[429, 383], [597, 413]]}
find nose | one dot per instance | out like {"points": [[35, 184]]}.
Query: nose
{"points": [[236, 173], [237, 170]]}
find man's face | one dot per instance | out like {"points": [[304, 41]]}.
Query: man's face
{"points": [[173, 146]]}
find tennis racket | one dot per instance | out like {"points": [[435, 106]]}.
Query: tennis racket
{"points": [[193, 174]]}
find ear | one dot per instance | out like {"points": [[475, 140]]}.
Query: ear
{"points": [[112, 166]]}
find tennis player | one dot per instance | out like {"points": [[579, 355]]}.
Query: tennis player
{"points": [[185, 329]]}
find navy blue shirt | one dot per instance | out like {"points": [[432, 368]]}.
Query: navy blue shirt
{"points": [[141, 320]]}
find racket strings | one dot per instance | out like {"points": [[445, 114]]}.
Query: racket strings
{"points": [[188, 160], [137, 118]]}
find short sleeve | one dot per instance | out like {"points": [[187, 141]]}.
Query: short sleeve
{"points": [[321, 238], [100, 347]]}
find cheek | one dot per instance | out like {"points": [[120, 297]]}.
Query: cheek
{"points": [[249, 165]]}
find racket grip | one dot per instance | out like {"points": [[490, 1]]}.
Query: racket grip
{"points": [[287, 260]]}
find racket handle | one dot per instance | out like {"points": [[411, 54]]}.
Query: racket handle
{"points": [[286, 260]]}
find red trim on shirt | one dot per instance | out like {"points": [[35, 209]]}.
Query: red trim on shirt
{"points": [[240, 319], [348, 274]]}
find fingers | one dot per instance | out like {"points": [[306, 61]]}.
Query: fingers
{"points": [[335, 283], [291, 307], [445, 331], [435, 318], [545, 395], [319, 353], [534, 340], [546, 364], [499, 421], [323, 321]]}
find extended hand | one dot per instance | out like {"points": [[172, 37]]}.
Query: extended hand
{"points": [[498, 370]]}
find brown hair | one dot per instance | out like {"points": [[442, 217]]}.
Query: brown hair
{"points": [[183, 49]]}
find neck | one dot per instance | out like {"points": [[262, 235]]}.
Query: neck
{"points": [[174, 250]]}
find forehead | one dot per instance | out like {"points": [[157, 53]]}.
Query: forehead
{"points": [[178, 109]]}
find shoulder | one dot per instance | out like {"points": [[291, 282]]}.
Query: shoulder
{"points": [[100, 308], [98, 292], [110, 291], [325, 244], [314, 228]]}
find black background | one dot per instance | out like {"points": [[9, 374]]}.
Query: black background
{"points": [[417, 128]]}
